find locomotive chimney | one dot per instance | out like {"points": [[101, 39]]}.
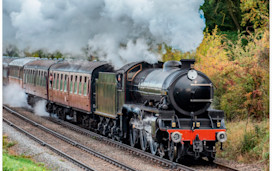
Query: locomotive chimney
{"points": [[187, 63]]}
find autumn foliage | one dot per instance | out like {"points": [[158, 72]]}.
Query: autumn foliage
{"points": [[240, 73]]}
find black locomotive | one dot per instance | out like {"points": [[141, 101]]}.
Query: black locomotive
{"points": [[163, 108]]}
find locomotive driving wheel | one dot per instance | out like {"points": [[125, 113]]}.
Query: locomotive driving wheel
{"points": [[143, 140], [153, 146], [161, 150], [172, 151], [133, 136]]}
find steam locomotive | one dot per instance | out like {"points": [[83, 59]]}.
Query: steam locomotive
{"points": [[162, 108]]}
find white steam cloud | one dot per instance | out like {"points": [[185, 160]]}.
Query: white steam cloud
{"points": [[14, 96], [40, 108], [118, 31]]}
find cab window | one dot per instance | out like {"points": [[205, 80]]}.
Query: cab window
{"points": [[133, 72]]}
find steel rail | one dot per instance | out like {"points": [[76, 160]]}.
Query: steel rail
{"points": [[153, 158], [224, 167], [72, 142], [76, 162]]}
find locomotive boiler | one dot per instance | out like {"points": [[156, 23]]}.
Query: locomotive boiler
{"points": [[176, 86], [163, 108]]}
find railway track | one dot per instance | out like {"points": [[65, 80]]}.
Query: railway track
{"points": [[224, 167], [65, 139], [155, 159], [43, 143]]}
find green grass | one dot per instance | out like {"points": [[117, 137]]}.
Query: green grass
{"points": [[12, 163], [18, 162]]}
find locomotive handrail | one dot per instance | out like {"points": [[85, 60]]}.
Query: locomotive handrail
{"points": [[201, 100], [208, 85]]}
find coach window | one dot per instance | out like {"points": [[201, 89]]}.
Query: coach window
{"points": [[71, 84], [44, 79], [65, 83], [30, 73], [75, 85], [38, 78], [41, 78], [29, 76], [85, 87], [61, 79], [23, 75], [26, 72], [58, 77], [26, 77], [33, 77], [54, 81], [80, 85]]}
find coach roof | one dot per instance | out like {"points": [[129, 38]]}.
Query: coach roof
{"points": [[22, 61], [78, 66], [6, 60], [40, 64]]}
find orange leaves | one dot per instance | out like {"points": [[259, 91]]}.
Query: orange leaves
{"points": [[241, 79]]}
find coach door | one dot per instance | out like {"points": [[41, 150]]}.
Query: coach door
{"points": [[64, 88], [51, 85]]}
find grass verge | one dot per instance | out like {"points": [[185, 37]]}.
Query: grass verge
{"points": [[13, 162], [248, 142]]}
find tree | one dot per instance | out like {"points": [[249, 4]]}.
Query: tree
{"points": [[255, 14], [225, 14], [11, 50]]}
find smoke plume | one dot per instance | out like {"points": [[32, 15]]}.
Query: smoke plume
{"points": [[14, 96], [118, 31], [39, 108]]}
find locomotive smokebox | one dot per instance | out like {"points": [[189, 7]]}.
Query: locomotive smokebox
{"points": [[189, 94]]}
